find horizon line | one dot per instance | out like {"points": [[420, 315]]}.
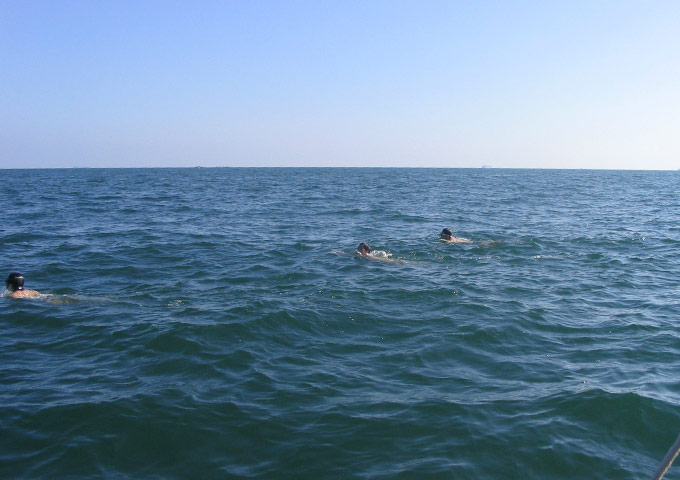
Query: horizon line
{"points": [[486, 167]]}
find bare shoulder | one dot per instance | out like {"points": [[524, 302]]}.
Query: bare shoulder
{"points": [[25, 294], [458, 240]]}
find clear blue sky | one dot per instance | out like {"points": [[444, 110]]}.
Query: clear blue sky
{"points": [[572, 84]]}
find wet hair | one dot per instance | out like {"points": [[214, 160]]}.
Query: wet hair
{"points": [[364, 246], [15, 282], [446, 232]]}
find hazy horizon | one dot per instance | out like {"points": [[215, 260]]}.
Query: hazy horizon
{"points": [[339, 167]]}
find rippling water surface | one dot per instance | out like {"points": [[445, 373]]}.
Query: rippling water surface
{"points": [[214, 323]]}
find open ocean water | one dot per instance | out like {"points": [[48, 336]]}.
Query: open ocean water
{"points": [[215, 323]]}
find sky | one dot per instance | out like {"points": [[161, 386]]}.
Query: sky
{"points": [[372, 83]]}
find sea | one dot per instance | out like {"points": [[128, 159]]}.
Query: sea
{"points": [[217, 323]]}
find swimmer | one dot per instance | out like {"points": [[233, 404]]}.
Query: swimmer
{"points": [[15, 284], [363, 249], [448, 237]]}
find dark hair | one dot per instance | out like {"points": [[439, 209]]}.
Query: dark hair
{"points": [[446, 231], [15, 282], [364, 246]]}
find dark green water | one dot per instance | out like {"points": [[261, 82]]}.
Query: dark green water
{"points": [[214, 323]]}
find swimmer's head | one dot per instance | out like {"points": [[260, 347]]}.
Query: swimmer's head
{"points": [[363, 248], [446, 234], [15, 282]]}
